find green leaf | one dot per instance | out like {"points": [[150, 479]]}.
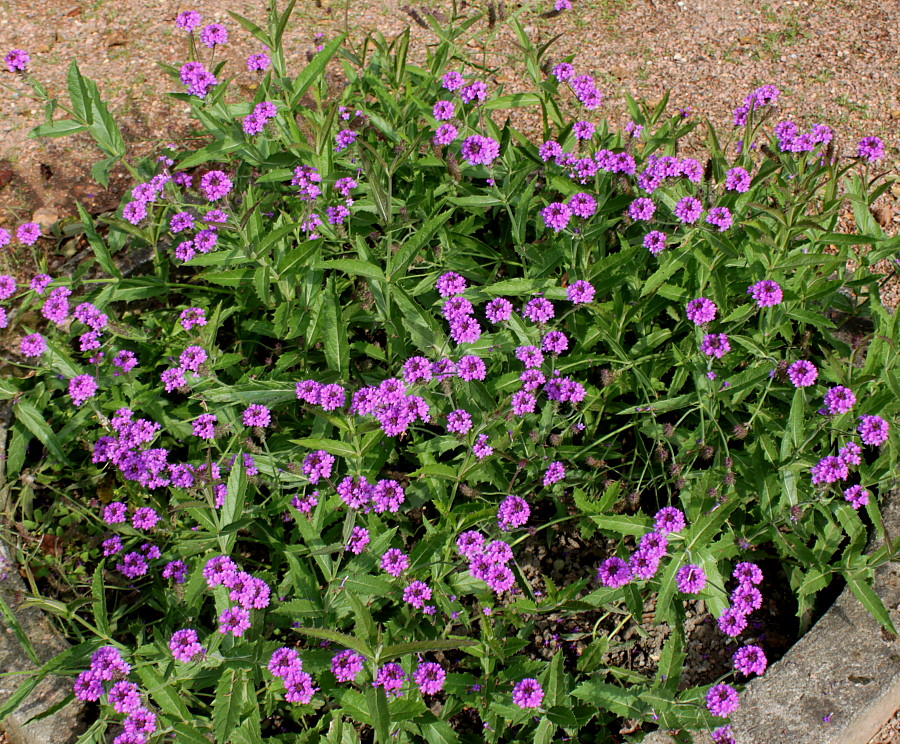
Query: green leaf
{"points": [[98, 607], [610, 697], [231, 694], [12, 623], [871, 601], [58, 128], [438, 732], [381, 715], [331, 446], [37, 425], [421, 647], [347, 641], [400, 262], [101, 250], [164, 692], [314, 70], [334, 332], [352, 266]]}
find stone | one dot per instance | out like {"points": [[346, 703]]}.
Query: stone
{"points": [[61, 727], [46, 217]]}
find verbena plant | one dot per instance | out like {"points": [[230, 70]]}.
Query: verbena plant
{"points": [[383, 343]]}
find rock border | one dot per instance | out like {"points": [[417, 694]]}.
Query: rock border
{"points": [[838, 684]]}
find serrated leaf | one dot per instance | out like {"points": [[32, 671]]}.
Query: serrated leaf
{"points": [[343, 639], [32, 419], [611, 698], [231, 694], [872, 602]]}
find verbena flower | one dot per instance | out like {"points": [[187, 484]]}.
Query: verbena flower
{"points": [[722, 700], [720, 217], [481, 448], [614, 572], [857, 496], [452, 81], [563, 71], [767, 293], [144, 518], [556, 216], [669, 519], [394, 562], [450, 284], [459, 421], [580, 292], [215, 185], [124, 697], [582, 205], [17, 60], [528, 693], [690, 579], [723, 735], [429, 677], [258, 62], [829, 469], [390, 677], [234, 620], [471, 368], [188, 20], [715, 345], [197, 79], [256, 415], [443, 110], [750, 660], [688, 210], [498, 310], [839, 399], [480, 150], [33, 345], [346, 665], [475, 91], [655, 241], [747, 573], [215, 34], [343, 139], [641, 209], [359, 538], [107, 664], [655, 544], [850, 454], [802, 373], [40, 282], [28, 233], [732, 622], [555, 472], [870, 148], [185, 646], [523, 403], [538, 310], [745, 598], [445, 134], [298, 687], [737, 179], [583, 130], [873, 430], [82, 387], [513, 512], [317, 465], [701, 311]]}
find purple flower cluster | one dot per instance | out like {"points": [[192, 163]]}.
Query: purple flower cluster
{"points": [[479, 150], [285, 664], [750, 660], [722, 700], [306, 177], [688, 210], [737, 179], [658, 168], [390, 678], [585, 89], [389, 403], [513, 512], [870, 148], [715, 345], [766, 292], [346, 665], [258, 62], [839, 399], [197, 79], [185, 646], [873, 430], [429, 677], [17, 60], [487, 562], [394, 562], [214, 35], [107, 665], [691, 579], [762, 96], [528, 693], [317, 465], [745, 598], [701, 311], [255, 122], [329, 397]]}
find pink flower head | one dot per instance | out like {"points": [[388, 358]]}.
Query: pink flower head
{"points": [[701, 311], [528, 693]]}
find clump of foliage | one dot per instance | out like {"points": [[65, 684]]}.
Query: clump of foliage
{"points": [[384, 342]]}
